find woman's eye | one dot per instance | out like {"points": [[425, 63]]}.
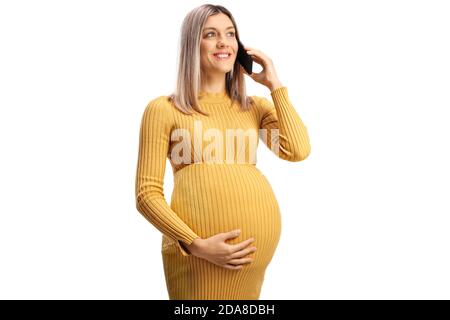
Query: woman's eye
{"points": [[213, 33]]}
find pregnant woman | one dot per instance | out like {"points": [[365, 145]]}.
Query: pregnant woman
{"points": [[223, 224]]}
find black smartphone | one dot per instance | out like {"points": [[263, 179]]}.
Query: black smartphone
{"points": [[244, 59]]}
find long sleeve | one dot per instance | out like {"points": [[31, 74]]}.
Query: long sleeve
{"points": [[285, 134], [154, 143]]}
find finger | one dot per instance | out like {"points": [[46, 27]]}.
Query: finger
{"points": [[242, 245], [257, 59], [250, 75], [243, 253], [231, 234], [258, 55], [254, 51], [232, 267], [240, 261]]}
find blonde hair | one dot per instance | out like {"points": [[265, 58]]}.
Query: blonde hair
{"points": [[185, 96]]}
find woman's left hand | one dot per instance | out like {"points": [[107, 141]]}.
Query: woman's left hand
{"points": [[267, 76]]}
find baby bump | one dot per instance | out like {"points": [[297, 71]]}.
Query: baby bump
{"points": [[215, 198]]}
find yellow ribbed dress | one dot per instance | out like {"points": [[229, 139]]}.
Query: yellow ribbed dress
{"points": [[211, 195]]}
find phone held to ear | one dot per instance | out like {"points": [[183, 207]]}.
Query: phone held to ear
{"points": [[244, 59]]}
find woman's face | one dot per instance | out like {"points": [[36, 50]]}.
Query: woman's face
{"points": [[218, 35]]}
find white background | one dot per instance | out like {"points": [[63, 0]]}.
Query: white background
{"points": [[365, 216]]}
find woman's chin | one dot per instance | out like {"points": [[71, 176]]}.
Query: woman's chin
{"points": [[221, 69], [224, 70]]}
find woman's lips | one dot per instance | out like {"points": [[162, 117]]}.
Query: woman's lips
{"points": [[221, 59]]}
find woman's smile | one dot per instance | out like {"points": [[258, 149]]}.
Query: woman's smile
{"points": [[222, 57]]}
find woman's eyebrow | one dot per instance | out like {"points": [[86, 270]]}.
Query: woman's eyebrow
{"points": [[230, 27]]}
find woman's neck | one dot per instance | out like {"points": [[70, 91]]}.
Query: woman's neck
{"points": [[213, 84]]}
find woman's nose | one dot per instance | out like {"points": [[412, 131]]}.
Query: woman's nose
{"points": [[223, 45], [222, 42]]}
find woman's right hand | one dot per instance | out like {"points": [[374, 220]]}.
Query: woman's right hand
{"points": [[216, 250]]}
